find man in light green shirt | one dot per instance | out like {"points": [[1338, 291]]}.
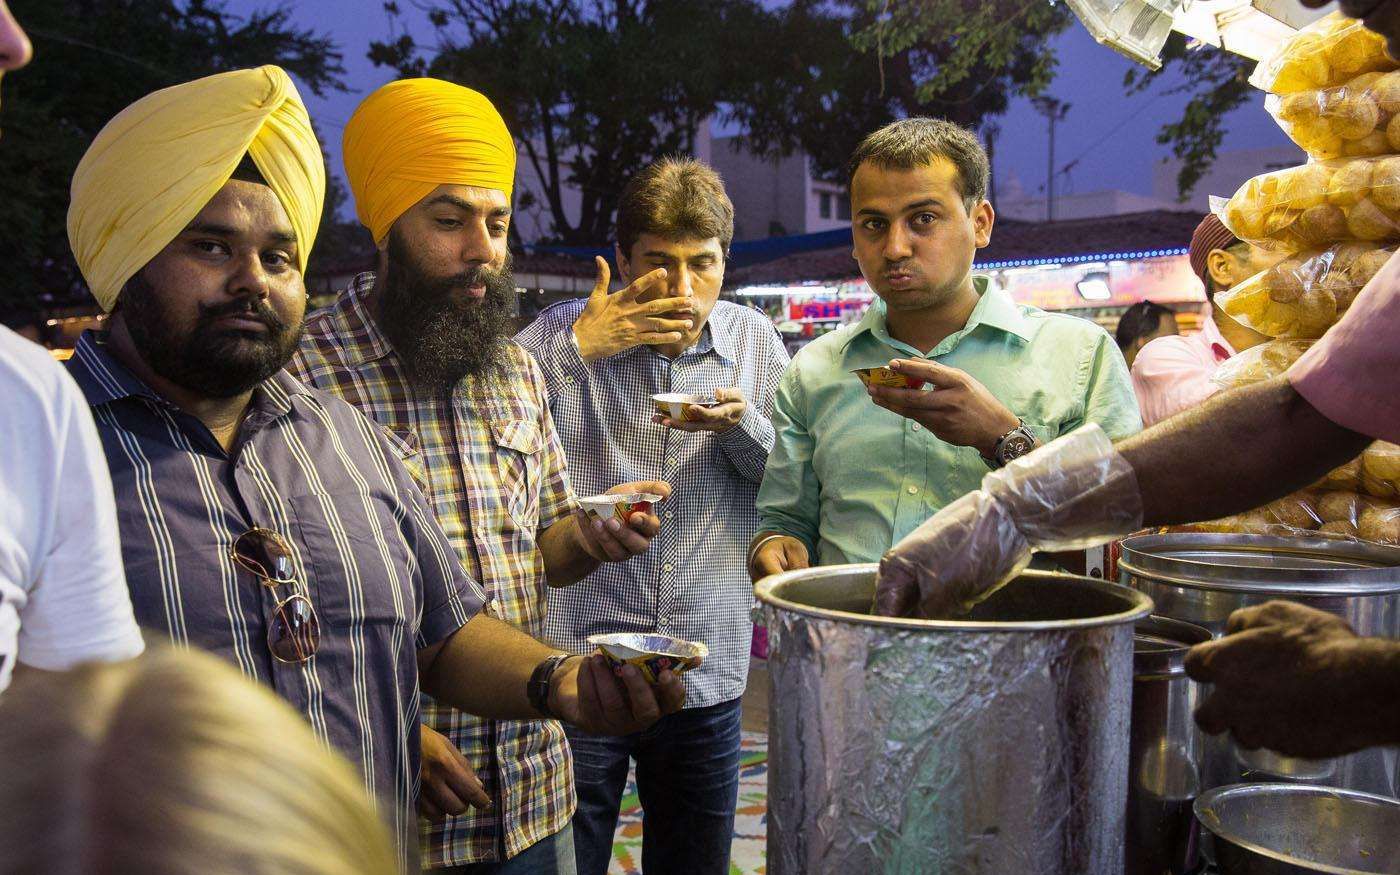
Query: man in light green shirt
{"points": [[854, 469]]}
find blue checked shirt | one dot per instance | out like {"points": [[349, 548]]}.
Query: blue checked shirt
{"points": [[693, 582]]}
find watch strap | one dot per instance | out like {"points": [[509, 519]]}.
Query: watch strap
{"points": [[537, 689]]}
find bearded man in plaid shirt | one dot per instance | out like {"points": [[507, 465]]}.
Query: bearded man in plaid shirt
{"points": [[422, 346], [604, 357]]}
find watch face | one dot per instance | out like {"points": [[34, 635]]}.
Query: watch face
{"points": [[1016, 444]]}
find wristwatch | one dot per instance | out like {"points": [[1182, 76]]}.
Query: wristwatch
{"points": [[1012, 445], [537, 689]]}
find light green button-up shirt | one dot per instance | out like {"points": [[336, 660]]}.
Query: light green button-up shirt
{"points": [[851, 479]]}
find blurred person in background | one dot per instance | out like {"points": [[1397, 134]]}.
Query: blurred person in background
{"points": [[63, 598], [171, 764], [1141, 324], [1171, 374]]}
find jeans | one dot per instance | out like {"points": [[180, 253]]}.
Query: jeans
{"points": [[688, 782], [553, 855]]}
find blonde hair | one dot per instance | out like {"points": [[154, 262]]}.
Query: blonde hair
{"points": [[169, 764]]}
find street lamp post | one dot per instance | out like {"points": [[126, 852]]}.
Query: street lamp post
{"points": [[1054, 110]]}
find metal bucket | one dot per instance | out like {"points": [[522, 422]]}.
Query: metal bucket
{"points": [[995, 744], [1276, 829], [1164, 759], [1202, 578]]}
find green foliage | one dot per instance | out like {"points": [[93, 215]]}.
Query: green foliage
{"points": [[91, 59], [592, 91], [1218, 83], [963, 60]]}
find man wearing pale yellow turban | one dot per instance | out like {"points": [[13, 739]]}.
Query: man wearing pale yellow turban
{"points": [[261, 519], [422, 346]]}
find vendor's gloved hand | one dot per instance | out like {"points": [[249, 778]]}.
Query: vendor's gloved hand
{"points": [[1074, 492], [949, 563]]}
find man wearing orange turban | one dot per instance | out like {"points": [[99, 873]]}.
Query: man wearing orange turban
{"points": [[422, 346]]}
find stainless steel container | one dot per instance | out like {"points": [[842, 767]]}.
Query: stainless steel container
{"points": [[1280, 829], [995, 744], [1202, 578], [1164, 759]]}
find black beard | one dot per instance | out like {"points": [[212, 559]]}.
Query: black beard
{"points": [[211, 361], [440, 334]]}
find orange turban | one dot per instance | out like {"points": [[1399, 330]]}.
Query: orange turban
{"points": [[157, 163], [413, 135]]}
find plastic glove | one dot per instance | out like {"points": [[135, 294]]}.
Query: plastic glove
{"points": [[1072, 493]]}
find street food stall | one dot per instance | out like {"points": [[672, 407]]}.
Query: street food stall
{"points": [[1050, 730]]}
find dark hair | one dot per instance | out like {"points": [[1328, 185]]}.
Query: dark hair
{"points": [[1139, 320], [915, 142], [675, 198], [248, 171]]}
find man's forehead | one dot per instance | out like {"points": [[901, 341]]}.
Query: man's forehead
{"points": [[470, 196], [682, 247], [937, 178], [246, 208]]}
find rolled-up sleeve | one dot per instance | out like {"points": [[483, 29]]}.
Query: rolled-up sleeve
{"points": [[789, 499], [1350, 375]]}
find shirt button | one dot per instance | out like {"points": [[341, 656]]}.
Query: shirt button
{"points": [[671, 461], [913, 426], [569, 380], [662, 620], [668, 568], [669, 514], [913, 490]]}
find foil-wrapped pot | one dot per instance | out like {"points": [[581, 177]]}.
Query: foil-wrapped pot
{"points": [[992, 744]]}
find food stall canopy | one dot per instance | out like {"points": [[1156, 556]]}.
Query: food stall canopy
{"points": [[1139, 28]]}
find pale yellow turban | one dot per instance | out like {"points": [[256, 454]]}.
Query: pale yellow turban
{"points": [[413, 135], [159, 162]]}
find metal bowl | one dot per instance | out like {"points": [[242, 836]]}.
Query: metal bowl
{"points": [[1283, 829]]}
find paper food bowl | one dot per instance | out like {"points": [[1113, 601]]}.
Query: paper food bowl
{"points": [[676, 404], [886, 377], [622, 506], [651, 652]]}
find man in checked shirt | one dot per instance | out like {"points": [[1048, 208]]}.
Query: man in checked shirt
{"points": [[604, 358], [423, 347]]}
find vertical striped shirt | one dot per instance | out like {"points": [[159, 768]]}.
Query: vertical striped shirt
{"points": [[692, 583], [366, 551], [490, 463]]}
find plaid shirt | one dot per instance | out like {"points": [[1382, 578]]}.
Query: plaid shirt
{"points": [[365, 549], [693, 582], [491, 465]]}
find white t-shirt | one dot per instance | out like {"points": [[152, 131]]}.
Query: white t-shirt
{"points": [[63, 597]]}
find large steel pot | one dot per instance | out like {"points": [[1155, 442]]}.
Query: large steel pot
{"points": [[1281, 829], [1202, 578], [995, 744], [1164, 758]]}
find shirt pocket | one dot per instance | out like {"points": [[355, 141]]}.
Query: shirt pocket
{"points": [[518, 446], [405, 447], [358, 562]]}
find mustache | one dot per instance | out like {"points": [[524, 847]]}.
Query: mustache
{"points": [[476, 276], [256, 308]]}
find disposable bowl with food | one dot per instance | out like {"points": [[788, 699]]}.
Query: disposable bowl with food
{"points": [[621, 506], [676, 405], [651, 652], [886, 377]]}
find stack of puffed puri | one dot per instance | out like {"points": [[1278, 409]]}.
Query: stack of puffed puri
{"points": [[1361, 499], [1336, 93]]}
